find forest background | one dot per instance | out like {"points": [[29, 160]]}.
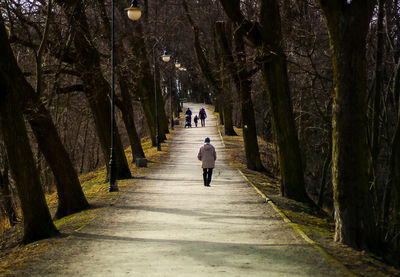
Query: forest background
{"points": [[317, 79]]}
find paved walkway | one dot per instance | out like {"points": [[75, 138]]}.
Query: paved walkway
{"points": [[169, 224]]}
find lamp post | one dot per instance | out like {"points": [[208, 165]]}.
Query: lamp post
{"points": [[177, 66], [165, 57], [134, 13]]}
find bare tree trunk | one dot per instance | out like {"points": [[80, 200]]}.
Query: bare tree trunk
{"points": [[37, 219], [241, 78], [353, 213], [7, 204], [227, 103], [126, 104], [129, 120], [266, 37], [377, 90], [70, 195], [95, 87]]}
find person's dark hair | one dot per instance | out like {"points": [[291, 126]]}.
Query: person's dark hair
{"points": [[207, 139]]}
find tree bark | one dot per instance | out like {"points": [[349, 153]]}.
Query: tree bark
{"points": [[143, 78], [129, 120], [266, 37], [227, 103], [205, 65], [95, 87], [7, 204], [377, 91], [241, 78], [37, 219], [348, 26], [70, 195]]}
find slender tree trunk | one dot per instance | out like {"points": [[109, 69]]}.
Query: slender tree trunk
{"points": [[126, 104], [324, 172], [144, 79], [394, 191], [129, 120], [377, 90], [227, 103], [162, 115], [353, 213], [205, 66]]}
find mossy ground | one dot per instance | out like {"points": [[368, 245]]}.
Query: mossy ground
{"points": [[315, 223]]}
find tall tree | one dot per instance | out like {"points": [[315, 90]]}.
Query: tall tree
{"points": [[95, 87], [126, 104], [218, 85], [377, 91], [348, 23], [37, 219], [266, 37], [241, 78]]}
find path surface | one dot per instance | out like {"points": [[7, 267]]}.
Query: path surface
{"points": [[169, 224]]}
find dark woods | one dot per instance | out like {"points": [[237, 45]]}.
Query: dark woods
{"points": [[325, 94]]}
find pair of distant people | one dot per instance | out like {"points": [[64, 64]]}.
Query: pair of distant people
{"points": [[202, 116]]}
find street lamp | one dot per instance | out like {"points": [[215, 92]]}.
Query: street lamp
{"points": [[177, 66], [134, 13], [166, 58]]}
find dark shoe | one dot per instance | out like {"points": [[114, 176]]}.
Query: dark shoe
{"points": [[207, 185]]}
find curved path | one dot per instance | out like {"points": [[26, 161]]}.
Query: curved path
{"points": [[169, 224]]}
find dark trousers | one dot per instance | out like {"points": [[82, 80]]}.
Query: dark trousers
{"points": [[203, 122], [207, 173]]}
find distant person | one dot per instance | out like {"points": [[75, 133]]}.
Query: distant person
{"points": [[203, 116], [188, 112], [188, 120], [207, 156], [196, 119]]}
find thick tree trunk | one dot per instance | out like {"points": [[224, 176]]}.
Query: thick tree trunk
{"points": [[266, 36], [36, 215], [289, 156], [7, 204], [37, 219], [241, 78], [70, 195], [273, 66], [348, 26]]}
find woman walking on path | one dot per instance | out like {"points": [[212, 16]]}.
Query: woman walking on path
{"points": [[207, 156], [203, 116]]}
